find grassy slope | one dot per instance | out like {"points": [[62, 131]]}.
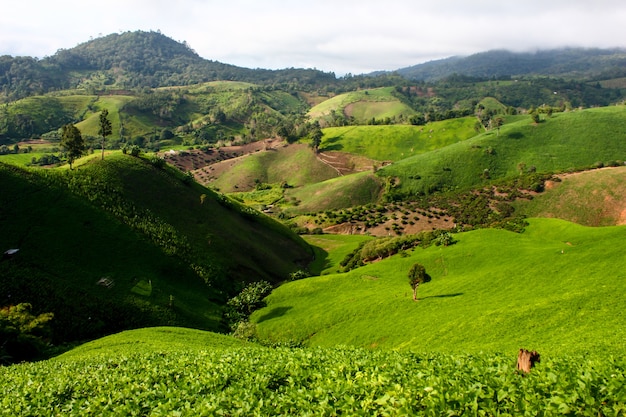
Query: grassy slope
{"points": [[150, 339], [330, 250], [573, 140], [67, 244], [591, 198], [363, 105], [295, 164], [396, 142], [347, 191], [556, 288]]}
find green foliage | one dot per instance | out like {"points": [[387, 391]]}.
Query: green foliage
{"points": [[23, 335], [384, 247], [73, 143], [255, 381], [417, 276], [248, 300], [104, 127]]}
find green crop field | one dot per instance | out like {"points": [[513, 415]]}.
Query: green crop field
{"points": [[189, 373], [396, 142], [555, 288]]}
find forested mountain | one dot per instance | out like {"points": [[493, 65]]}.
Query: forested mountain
{"points": [[132, 60], [570, 63]]}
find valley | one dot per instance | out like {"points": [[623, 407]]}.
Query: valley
{"points": [[240, 241]]}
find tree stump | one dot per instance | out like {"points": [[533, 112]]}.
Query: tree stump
{"points": [[527, 359]]}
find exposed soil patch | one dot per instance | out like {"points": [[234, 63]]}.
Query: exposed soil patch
{"points": [[345, 163], [209, 164]]}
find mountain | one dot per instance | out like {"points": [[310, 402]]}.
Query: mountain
{"points": [[132, 60], [570, 63]]}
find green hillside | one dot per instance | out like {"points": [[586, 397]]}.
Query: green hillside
{"points": [[137, 245], [396, 142], [295, 165], [492, 291], [566, 141], [591, 198], [346, 191], [361, 106]]}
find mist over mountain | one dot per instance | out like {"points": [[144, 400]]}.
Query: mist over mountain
{"points": [[569, 62]]}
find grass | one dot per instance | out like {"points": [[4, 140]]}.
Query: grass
{"points": [[149, 339], [591, 198], [330, 250], [396, 142], [567, 141], [295, 165], [346, 191], [108, 219], [493, 291], [363, 105]]}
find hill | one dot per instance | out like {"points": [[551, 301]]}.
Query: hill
{"points": [[361, 107], [571, 62], [397, 142], [566, 141], [590, 198], [491, 291], [137, 245], [131, 60]]}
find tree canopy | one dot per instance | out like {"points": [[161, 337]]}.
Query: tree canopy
{"points": [[73, 143]]}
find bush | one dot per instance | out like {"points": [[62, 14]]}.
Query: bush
{"points": [[158, 162], [23, 335], [248, 300]]}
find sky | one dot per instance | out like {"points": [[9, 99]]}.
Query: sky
{"points": [[340, 36]]}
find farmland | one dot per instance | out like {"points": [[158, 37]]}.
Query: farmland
{"points": [[210, 376], [243, 246]]}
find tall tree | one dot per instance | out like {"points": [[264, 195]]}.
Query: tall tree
{"points": [[104, 128], [417, 276], [316, 137], [73, 143]]}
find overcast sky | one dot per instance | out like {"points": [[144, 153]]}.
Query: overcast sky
{"points": [[342, 36]]}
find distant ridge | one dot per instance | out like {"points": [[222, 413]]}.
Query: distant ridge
{"points": [[567, 62]]}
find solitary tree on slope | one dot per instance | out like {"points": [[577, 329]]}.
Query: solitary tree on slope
{"points": [[417, 276], [104, 128]]}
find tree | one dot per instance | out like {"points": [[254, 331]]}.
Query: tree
{"points": [[417, 276], [73, 143], [316, 137], [104, 128], [497, 122]]}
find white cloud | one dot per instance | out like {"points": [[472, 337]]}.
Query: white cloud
{"points": [[347, 36]]}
